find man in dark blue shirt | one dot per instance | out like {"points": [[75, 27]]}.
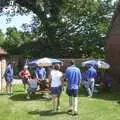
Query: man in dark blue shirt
{"points": [[9, 77], [73, 77], [90, 75], [40, 73]]}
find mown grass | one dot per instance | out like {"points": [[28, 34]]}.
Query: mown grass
{"points": [[104, 106]]}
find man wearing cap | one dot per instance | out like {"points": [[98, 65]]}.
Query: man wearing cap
{"points": [[90, 75], [73, 78], [25, 75]]}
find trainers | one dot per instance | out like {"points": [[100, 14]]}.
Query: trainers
{"points": [[27, 97], [70, 110], [75, 113], [89, 96], [53, 111], [58, 108]]}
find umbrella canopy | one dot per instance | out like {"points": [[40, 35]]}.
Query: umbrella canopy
{"points": [[44, 62], [101, 64]]}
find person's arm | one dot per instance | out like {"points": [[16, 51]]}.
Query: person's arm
{"points": [[44, 74], [62, 81], [80, 77], [20, 73]]}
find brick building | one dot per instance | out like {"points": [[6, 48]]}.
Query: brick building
{"points": [[113, 47]]}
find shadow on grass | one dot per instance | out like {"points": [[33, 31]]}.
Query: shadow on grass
{"points": [[105, 95], [46, 113], [2, 94], [22, 97]]}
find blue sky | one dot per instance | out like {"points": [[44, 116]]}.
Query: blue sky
{"points": [[16, 21]]}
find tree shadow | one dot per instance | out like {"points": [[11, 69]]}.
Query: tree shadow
{"points": [[46, 112], [111, 96], [2, 94], [105, 95], [22, 97]]}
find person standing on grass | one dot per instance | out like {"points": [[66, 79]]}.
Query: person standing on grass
{"points": [[56, 78], [9, 78], [40, 73], [32, 86], [73, 78], [25, 74], [90, 75]]}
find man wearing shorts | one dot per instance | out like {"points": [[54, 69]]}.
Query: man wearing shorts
{"points": [[25, 74], [9, 78], [73, 77]]}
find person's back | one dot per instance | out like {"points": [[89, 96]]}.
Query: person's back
{"points": [[56, 78], [73, 76], [40, 73], [91, 73]]}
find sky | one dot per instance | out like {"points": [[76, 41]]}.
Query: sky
{"points": [[16, 21]]}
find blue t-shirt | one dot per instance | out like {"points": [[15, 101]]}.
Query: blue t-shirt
{"points": [[73, 76], [91, 73], [40, 73], [9, 73]]}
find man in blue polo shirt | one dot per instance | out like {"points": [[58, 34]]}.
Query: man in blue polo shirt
{"points": [[73, 77], [9, 78], [40, 73], [90, 75]]}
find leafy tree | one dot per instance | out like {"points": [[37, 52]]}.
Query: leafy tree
{"points": [[2, 37], [67, 28]]}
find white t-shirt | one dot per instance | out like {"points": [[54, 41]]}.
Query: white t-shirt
{"points": [[56, 75], [32, 83]]}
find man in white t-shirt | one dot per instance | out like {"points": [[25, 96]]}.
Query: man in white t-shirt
{"points": [[32, 83], [56, 86]]}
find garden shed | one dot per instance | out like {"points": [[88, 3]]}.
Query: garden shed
{"points": [[3, 54]]}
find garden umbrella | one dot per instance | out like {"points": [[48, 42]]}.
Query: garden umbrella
{"points": [[44, 62], [96, 62]]}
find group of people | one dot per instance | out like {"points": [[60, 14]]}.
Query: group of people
{"points": [[72, 76]]}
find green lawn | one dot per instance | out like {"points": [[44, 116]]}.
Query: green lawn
{"points": [[102, 107]]}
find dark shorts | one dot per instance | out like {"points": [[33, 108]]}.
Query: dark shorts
{"points": [[56, 90], [31, 89], [72, 92], [8, 80], [25, 80]]}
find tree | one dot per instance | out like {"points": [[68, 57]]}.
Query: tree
{"points": [[67, 28], [2, 37]]}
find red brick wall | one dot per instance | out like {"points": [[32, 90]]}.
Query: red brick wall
{"points": [[113, 52]]}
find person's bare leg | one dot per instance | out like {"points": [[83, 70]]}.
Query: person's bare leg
{"points": [[58, 102], [10, 88], [54, 103], [7, 87], [70, 104]]}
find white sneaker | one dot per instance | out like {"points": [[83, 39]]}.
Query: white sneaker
{"points": [[27, 97]]}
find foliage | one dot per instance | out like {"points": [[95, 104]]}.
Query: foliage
{"points": [[66, 28], [2, 37]]}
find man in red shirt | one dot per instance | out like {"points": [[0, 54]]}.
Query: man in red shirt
{"points": [[25, 75]]}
